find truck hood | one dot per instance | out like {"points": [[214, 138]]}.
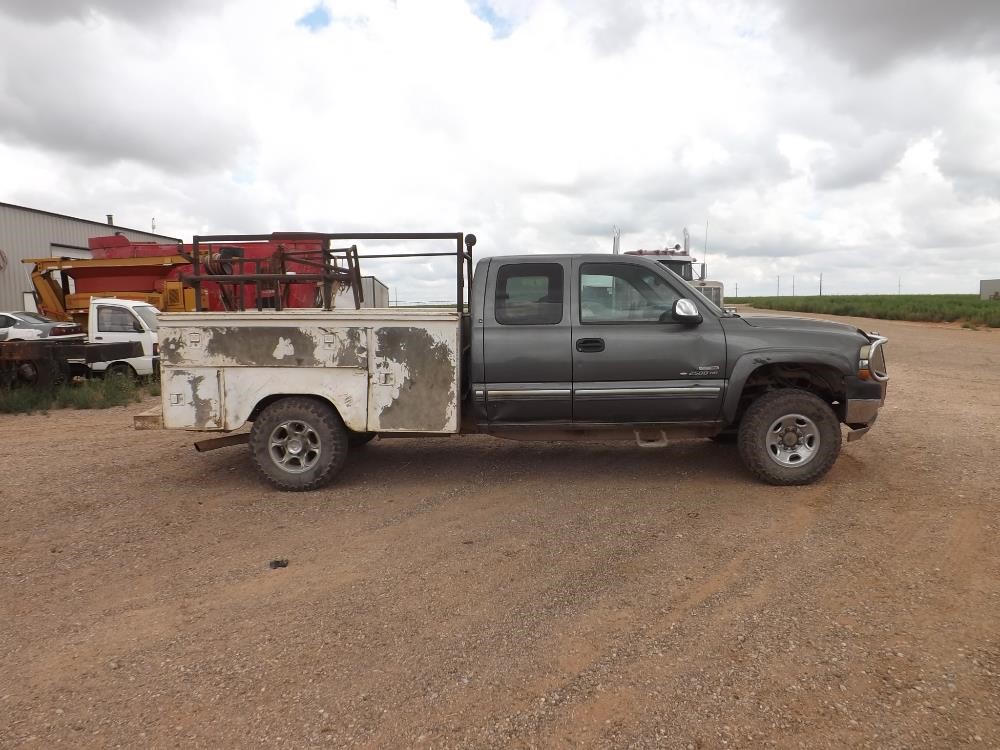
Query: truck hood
{"points": [[791, 323]]}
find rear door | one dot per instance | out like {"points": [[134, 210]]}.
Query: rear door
{"points": [[527, 343], [629, 364]]}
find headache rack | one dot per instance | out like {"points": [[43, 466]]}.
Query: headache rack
{"points": [[326, 266]]}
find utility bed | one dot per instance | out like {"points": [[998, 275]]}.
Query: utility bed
{"points": [[386, 370]]}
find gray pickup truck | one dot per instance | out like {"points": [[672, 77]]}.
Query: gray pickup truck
{"points": [[538, 347]]}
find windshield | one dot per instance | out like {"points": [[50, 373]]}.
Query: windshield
{"points": [[679, 267], [148, 315]]}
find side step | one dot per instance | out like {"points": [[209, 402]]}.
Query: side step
{"points": [[151, 419], [658, 442]]}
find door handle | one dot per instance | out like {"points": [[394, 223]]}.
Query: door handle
{"points": [[590, 345], [98, 338]]}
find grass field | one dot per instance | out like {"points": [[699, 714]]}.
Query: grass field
{"points": [[938, 308], [100, 393]]}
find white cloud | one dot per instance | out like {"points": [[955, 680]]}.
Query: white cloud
{"points": [[418, 116]]}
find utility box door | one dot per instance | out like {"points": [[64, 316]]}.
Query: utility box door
{"points": [[415, 377], [192, 398]]}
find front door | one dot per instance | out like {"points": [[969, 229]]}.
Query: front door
{"points": [[527, 343], [631, 362]]}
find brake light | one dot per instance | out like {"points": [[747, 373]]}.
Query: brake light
{"points": [[156, 349], [65, 330]]}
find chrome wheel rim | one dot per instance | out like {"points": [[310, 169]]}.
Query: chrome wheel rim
{"points": [[793, 440], [294, 446]]}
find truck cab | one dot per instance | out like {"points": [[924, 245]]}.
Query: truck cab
{"points": [[589, 341], [113, 320]]}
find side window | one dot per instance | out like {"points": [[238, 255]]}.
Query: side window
{"points": [[115, 320], [6, 322], [622, 293], [529, 294]]}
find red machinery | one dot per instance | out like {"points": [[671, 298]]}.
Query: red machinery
{"points": [[156, 273]]}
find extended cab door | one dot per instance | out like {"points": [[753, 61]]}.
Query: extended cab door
{"points": [[628, 364], [528, 366]]}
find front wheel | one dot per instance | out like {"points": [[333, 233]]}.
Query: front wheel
{"points": [[789, 437], [298, 444]]}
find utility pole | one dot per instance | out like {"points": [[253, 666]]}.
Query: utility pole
{"points": [[899, 286], [737, 290], [793, 284], [779, 284], [820, 283]]}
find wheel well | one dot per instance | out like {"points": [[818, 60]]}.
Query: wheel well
{"points": [[268, 400], [822, 380]]}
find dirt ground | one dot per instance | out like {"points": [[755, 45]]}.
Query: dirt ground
{"points": [[472, 592]]}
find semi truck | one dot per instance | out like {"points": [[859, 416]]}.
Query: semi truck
{"points": [[537, 347], [679, 260]]}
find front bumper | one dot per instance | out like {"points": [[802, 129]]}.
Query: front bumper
{"points": [[865, 396]]}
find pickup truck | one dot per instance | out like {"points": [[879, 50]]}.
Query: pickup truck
{"points": [[538, 347], [114, 320]]}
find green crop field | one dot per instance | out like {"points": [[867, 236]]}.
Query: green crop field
{"points": [[967, 308]]}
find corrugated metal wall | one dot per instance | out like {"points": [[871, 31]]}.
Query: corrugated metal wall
{"points": [[26, 233]]}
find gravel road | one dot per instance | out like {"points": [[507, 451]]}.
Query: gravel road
{"points": [[471, 592]]}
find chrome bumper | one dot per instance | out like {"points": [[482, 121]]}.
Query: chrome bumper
{"points": [[862, 410]]}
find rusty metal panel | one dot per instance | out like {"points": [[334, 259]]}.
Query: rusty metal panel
{"points": [[415, 377], [289, 345], [192, 398]]}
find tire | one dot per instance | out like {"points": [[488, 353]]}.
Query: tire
{"points": [[359, 439], [298, 444], [789, 437], [120, 369]]}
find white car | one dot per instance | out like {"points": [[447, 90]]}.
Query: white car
{"points": [[28, 326]]}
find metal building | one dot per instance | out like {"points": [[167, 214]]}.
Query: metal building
{"points": [[32, 233], [375, 293], [989, 289]]}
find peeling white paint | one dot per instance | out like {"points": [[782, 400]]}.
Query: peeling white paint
{"points": [[283, 349]]}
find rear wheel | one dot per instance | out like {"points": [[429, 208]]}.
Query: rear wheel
{"points": [[789, 437], [298, 444]]}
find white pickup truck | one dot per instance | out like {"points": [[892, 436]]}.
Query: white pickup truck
{"points": [[556, 347], [113, 320]]}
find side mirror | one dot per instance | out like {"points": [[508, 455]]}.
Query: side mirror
{"points": [[686, 311], [137, 327]]}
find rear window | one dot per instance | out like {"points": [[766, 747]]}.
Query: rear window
{"points": [[529, 294], [33, 317]]}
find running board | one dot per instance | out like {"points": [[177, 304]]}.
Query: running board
{"points": [[660, 442]]}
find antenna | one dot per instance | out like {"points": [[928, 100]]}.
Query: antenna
{"points": [[616, 234]]}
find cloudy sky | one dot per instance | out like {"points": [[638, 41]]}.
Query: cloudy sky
{"points": [[852, 138]]}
